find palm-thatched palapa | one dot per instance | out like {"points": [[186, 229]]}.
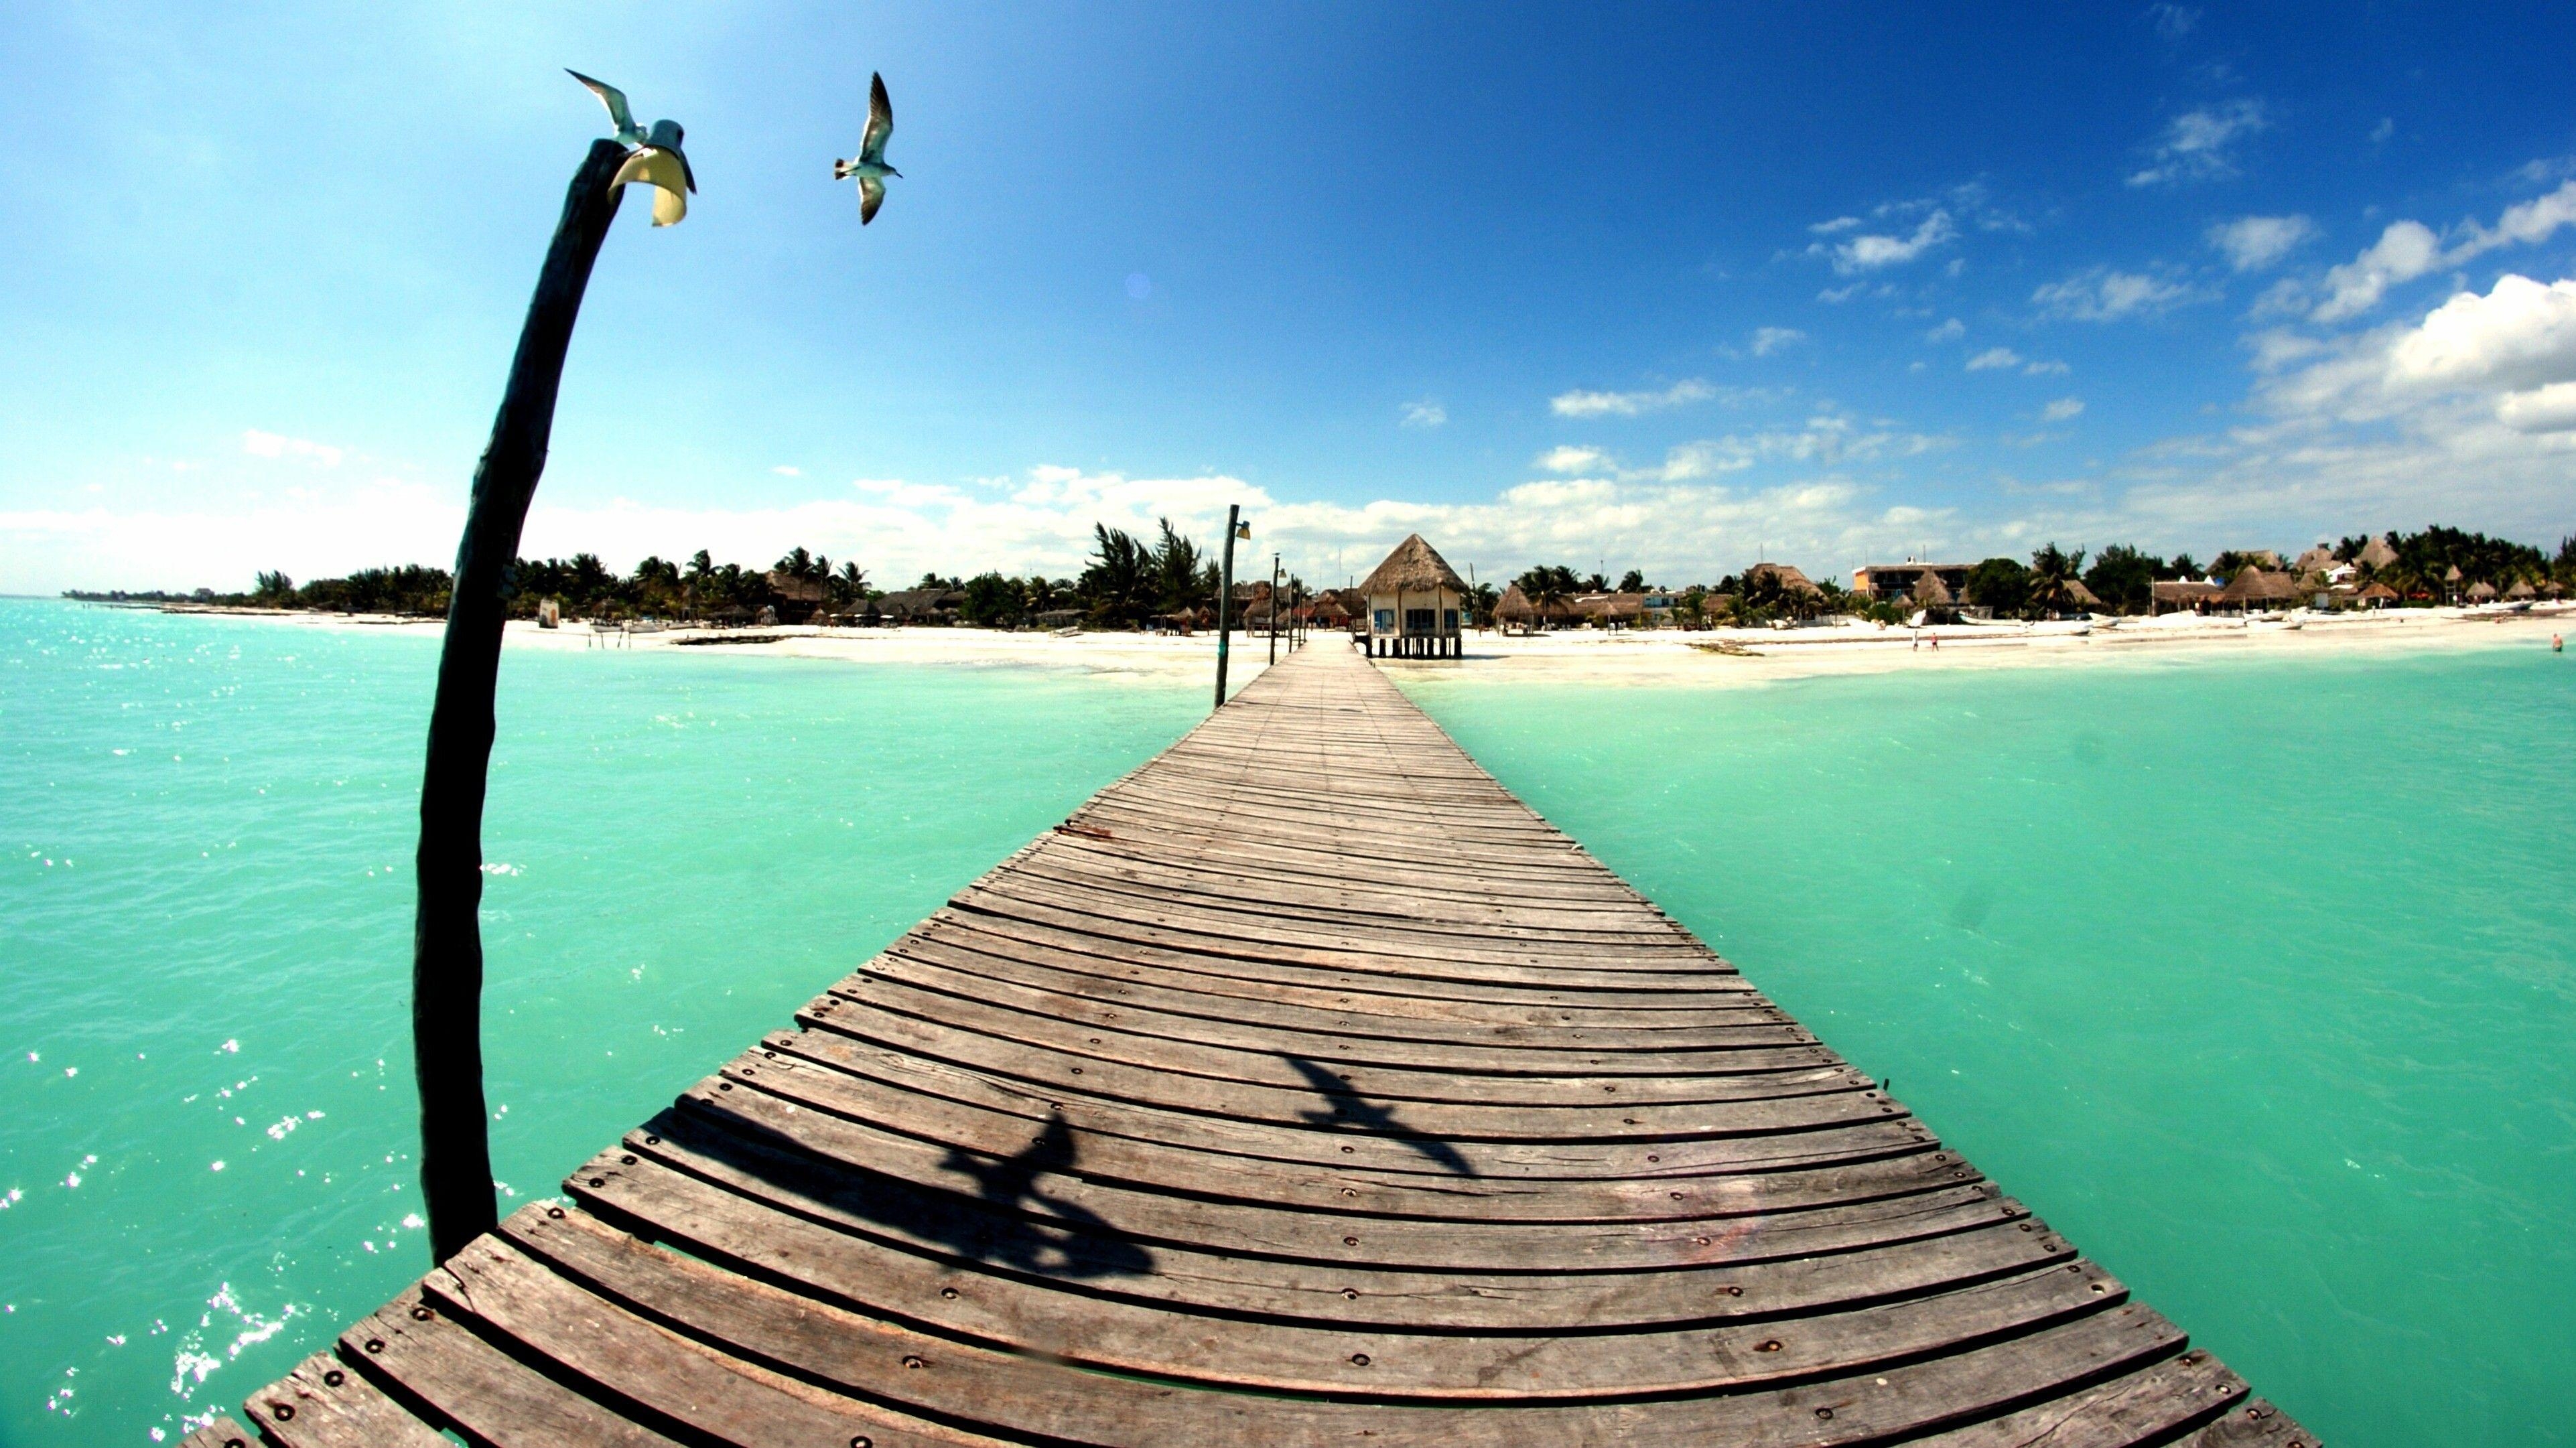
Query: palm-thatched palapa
{"points": [[1415, 604]]}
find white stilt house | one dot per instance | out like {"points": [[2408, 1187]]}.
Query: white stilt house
{"points": [[1417, 604]]}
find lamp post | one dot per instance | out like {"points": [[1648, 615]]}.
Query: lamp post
{"points": [[447, 940], [1235, 528]]}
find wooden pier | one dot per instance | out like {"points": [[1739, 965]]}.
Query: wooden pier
{"points": [[1303, 1088]]}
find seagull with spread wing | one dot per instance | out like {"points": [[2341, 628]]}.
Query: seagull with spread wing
{"points": [[657, 160], [870, 164]]}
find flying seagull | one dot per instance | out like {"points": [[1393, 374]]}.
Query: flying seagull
{"points": [[657, 159], [870, 164]]}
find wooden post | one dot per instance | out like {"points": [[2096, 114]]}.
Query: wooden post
{"points": [[447, 940], [1274, 608], [1225, 597]]}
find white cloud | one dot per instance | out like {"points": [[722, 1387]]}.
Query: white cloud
{"points": [[2197, 144], [2542, 409], [1993, 358], [1839, 223], [1425, 413], [2405, 251], [2531, 221], [1949, 331], [2386, 128], [2045, 369], [2520, 334], [2254, 242], [1568, 459], [1871, 252], [787, 470], [2410, 249], [260, 444], [2104, 295], [2173, 22], [1767, 340], [1629, 404], [2467, 415], [2062, 410]]}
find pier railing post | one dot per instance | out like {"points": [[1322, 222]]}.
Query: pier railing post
{"points": [[447, 938]]}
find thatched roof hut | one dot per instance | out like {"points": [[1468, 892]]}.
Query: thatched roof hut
{"points": [[2260, 588], [1417, 604], [792, 589], [2482, 592], [1414, 567], [2377, 553], [1609, 610], [1515, 610], [2182, 593], [1931, 592], [2077, 593], [2521, 589], [2376, 594], [1786, 575]]}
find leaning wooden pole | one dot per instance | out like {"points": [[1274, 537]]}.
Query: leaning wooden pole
{"points": [[447, 940]]}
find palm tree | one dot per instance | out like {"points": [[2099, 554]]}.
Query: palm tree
{"points": [[2053, 571], [1547, 588], [850, 585], [1181, 576], [1119, 582]]}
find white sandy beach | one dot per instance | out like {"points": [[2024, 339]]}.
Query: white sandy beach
{"points": [[1714, 657]]}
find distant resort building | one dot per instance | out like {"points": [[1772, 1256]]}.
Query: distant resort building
{"points": [[2182, 595], [920, 605], [1907, 580], [1416, 604], [1516, 614], [1787, 576], [2256, 590]]}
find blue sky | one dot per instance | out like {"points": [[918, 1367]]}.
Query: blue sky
{"points": [[1670, 287]]}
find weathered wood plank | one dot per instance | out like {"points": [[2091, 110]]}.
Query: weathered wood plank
{"points": [[326, 1404]]}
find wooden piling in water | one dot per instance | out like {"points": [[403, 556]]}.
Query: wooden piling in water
{"points": [[447, 937]]}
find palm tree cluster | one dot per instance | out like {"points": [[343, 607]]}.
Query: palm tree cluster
{"points": [[2423, 570], [1129, 581]]}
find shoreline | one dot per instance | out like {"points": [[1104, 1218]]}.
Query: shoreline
{"points": [[1708, 658]]}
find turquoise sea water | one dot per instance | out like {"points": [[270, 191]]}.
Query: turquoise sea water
{"points": [[2256, 977], [206, 1120]]}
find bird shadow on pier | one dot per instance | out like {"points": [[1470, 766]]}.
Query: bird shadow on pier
{"points": [[1352, 1111], [1009, 1220]]}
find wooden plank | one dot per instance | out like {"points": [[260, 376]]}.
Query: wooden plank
{"points": [[702, 1391], [2147, 1406], [1901, 1158], [1034, 1231], [2253, 1424], [443, 1372], [806, 1239], [324, 1403]]}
